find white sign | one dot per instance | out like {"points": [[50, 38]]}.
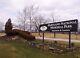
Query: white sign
{"points": [[43, 28]]}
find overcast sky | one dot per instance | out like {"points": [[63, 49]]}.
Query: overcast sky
{"points": [[62, 9]]}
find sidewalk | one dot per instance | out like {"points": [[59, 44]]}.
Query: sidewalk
{"points": [[57, 39]]}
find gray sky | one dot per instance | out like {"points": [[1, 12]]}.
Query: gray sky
{"points": [[62, 9]]}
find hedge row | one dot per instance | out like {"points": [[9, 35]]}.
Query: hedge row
{"points": [[25, 34]]}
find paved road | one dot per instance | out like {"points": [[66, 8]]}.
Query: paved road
{"points": [[57, 39]]}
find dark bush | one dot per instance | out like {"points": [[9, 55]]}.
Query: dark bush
{"points": [[17, 31], [72, 44], [25, 34]]}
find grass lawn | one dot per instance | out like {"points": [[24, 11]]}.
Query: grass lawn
{"points": [[14, 49], [20, 50], [63, 36], [51, 35], [2, 34]]}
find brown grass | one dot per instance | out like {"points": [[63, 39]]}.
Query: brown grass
{"points": [[63, 36]]}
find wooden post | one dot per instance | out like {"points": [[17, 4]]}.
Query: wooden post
{"points": [[69, 39], [54, 34], [43, 37], [43, 42]]}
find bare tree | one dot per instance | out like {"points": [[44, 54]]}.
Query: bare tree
{"points": [[52, 17], [38, 20], [30, 18], [25, 17], [22, 18], [1, 26], [53, 20]]}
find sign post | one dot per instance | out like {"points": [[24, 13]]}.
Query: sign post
{"points": [[43, 28], [69, 39], [43, 37], [54, 34], [64, 26]]}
